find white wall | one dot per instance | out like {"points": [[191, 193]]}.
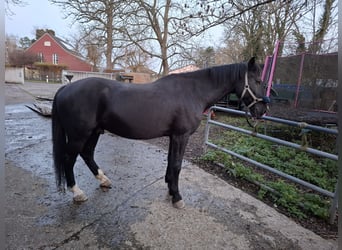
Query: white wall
{"points": [[14, 75]]}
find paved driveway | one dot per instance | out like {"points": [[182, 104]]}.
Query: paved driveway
{"points": [[135, 213]]}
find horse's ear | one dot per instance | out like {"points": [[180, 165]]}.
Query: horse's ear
{"points": [[251, 63]]}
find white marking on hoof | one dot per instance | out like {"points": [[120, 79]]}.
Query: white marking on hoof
{"points": [[179, 204], [104, 181], [79, 195]]}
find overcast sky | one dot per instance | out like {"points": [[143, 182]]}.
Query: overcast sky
{"points": [[37, 14], [41, 14]]}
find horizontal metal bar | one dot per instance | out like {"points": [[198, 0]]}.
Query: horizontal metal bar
{"points": [[301, 125], [276, 140], [275, 171], [279, 120]]}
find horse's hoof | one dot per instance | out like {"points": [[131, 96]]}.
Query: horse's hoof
{"points": [[179, 204], [104, 188], [80, 198], [106, 184]]}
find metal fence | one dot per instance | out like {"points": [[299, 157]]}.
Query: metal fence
{"points": [[302, 125]]}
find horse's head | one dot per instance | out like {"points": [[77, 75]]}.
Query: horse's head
{"points": [[252, 91]]}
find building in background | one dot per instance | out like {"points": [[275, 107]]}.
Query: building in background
{"points": [[53, 56]]}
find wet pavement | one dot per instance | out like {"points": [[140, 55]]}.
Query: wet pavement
{"points": [[135, 213]]}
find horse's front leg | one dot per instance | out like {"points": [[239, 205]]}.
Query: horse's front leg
{"points": [[175, 157]]}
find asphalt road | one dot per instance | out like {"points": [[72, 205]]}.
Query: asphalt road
{"points": [[135, 213]]}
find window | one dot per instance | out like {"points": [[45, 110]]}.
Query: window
{"points": [[54, 58], [40, 57], [47, 43]]}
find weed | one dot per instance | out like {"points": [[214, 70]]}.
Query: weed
{"points": [[316, 170]]}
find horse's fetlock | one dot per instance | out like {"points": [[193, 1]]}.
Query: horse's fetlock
{"points": [[79, 195], [104, 180], [179, 204]]}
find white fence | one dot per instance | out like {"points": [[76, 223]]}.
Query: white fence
{"points": [[77, 75]]}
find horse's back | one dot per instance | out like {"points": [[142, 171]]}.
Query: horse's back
{"points": [[136, 111], [92, 84]]}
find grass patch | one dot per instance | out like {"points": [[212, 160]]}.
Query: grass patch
{"points": [[316, 170]]}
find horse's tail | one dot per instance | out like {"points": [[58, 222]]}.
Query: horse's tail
{"points": [[58, 146]]}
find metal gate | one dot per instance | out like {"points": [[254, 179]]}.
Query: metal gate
{"points": [[302, 125]]}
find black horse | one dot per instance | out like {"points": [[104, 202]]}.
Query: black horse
{"points": [[171, 106]]}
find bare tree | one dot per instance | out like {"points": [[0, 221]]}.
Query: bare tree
{"points": [[259, 28], [232, 51], [88, 45], [206, 14], [324, 24], [97, 18], [169, 25], [202, 57], [19, 58], [11, 3], [158, 28], [150, 26], [133, 59]]}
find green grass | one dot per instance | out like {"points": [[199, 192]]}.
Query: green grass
{"points": [[316, 170]]}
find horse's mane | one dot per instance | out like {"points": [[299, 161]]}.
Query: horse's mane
{"points": [[227, 73], [217, 74]]}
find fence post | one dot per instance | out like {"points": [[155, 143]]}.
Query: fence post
{"points": [[274, 61], [334, 205], [206, 131], [299, 81]]}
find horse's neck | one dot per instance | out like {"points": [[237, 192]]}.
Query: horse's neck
{"points": [[215, 91]]}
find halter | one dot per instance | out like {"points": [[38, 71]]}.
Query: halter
{"points": [[264, 99]]}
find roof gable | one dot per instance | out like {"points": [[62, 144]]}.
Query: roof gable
{"points": [[54, 50], [59, 42]]}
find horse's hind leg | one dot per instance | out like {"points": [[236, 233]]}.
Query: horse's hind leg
{"points": [[78, 194], [175, 158], [88, 156]]}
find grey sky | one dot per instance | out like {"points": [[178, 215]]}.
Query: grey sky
{"points": [[37, 14]]}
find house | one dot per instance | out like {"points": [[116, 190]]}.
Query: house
{"points": [[53, 56], [188, 68]]}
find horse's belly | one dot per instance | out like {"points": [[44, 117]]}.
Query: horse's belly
{"points": [[136, 130], [149, 123]]}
